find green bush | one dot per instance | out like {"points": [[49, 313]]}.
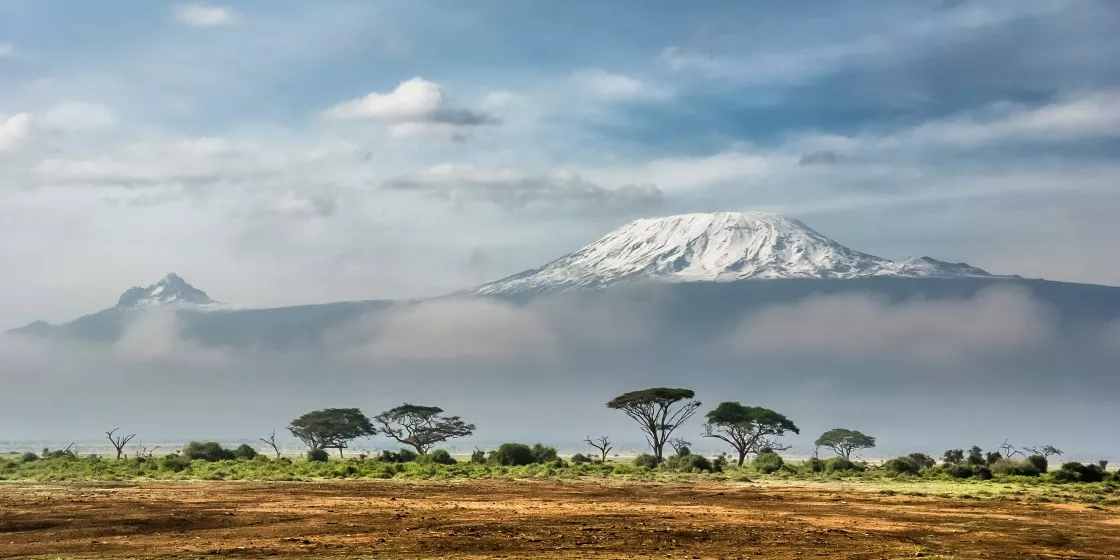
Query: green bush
{"points": [[688, 463], [767, 462], [402, 456], [958, 470], [813, 465], [1077, 472], [478, 456], [439, 457], [580, 458], [719, 464], [983, 472], [645, 460], [542, 454], [922, 460], [245, 451], [1006, 466], [513, 454], [1039, 462], [318, 456], [173, 463], [209, 451], [58, 454], [841, 465], [28, 457], [902, 465]]}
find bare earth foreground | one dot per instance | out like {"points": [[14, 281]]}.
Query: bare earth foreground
{"points": [[537, 519]]}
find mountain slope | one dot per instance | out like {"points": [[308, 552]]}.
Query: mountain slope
{"points": [[170, 290], [715, 247]]}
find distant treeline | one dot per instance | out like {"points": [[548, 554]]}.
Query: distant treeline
{"points": [[658, 412]]}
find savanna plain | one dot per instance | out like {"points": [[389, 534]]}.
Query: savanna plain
{"points": [[588, 511]]}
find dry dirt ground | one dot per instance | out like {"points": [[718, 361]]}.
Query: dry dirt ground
{"points": [[535, 519]]}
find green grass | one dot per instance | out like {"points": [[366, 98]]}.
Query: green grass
{"points": [[933, 483]]}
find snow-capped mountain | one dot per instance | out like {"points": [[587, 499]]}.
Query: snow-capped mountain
{"points": [[715, 247], [171, 290]]}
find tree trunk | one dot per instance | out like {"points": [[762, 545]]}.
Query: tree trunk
{"points": [[742, 457], [340, 452]]}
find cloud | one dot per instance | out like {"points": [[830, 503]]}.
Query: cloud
{"points": [[78, 116], [1073, 117], [155, 336], [453, 331], [618, 87], [14, 132], [7, 50], [890, 42], [415, 106], [823, 157], [305, 207], [995, 321], [449, 332], [203, 15], [513, 189]]}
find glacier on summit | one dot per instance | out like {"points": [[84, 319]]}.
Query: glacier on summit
{"points": [[715, 247]]}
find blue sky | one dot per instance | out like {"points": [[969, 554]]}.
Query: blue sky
{"points": [[360, 150]]}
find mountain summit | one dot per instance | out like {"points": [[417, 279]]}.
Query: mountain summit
{"points": [[715, 247], [171, 290]]}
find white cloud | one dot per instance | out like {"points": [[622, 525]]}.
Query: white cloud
{"points": [[305, 207], [7, 50], [14, 131], [78, 116], [203, 15], [1076, 117], [620, 87], [414, 107]]}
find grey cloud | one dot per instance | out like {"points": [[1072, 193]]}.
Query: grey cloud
{"points": [[823, 157], [448, 332], [513, 190], [995, 321]]}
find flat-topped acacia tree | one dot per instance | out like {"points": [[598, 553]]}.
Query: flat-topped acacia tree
{"points": [[843, 441], [331, 428], [420, 426], [658, 411], [747, 428]]}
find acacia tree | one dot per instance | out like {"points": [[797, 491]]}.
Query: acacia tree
{"points": [[843, 441], [603, 444], [271, 442], [420, 426], [331, 428], [679, 445], [1044, 451], [747, 428], [952, 456], [118, 441], [657, 412]]}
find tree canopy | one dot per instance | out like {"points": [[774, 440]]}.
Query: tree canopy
{"points": [[654, 411], [420, 426], [843, 441], [747, 428], [331, 428]]}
